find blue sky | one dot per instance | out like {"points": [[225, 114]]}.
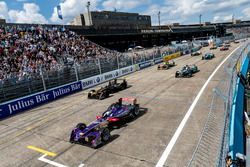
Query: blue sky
{"points": [[172, 11]]}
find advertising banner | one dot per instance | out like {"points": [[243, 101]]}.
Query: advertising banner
{"points": [[28, 102], [171, 56]]}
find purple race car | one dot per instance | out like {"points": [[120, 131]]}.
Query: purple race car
{"points": [[117, 113], [94, 134]]}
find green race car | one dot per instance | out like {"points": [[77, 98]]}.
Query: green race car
{"points": [[208, 56]]}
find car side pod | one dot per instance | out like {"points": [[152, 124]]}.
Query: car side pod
{"points": [[111, 119]]}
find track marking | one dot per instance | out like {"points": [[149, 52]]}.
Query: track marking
{"points": [[43, 159], [178, 131], [53, 163], [42, 151]]}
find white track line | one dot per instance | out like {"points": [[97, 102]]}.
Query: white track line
{"points": [[53, 163], [50, 162], [178, 131]]}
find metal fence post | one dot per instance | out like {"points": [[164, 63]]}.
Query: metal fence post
{"points": [[76, 71], [117, 59], [41, 73], [99, 64]]}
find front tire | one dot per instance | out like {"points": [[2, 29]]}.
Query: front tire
{"points": [[105, 135], [176, 75]]}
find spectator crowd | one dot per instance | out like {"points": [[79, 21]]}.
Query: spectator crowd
{"points": [[28, 51], [25, 51]]}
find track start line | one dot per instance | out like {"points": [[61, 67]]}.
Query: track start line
{"points": [[48, 153]]}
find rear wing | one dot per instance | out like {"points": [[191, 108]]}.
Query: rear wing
{"points": [[129, 100]]}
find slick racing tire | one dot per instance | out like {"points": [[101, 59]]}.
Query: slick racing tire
{"points": [[81, 126], [72, 136], [136, 111], [90, 93], [176, 75], [105, 135]]}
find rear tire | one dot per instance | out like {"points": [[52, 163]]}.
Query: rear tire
{"points": [[136, 111]]}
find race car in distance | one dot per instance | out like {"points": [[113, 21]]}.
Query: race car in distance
{"points": [[197, 53], [166, 65], [118, 113], [208, 56], [236, 41], [187, 71], [223, 48], [100, 94], [205, 44], [227, 45], [213, 47], [93, 134], [115, 86]]}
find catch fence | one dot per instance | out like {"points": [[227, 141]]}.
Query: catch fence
{"points": [[212, 147]]}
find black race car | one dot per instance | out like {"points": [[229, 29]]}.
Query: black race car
{"points": [[100, 94], [116, 86], [112, 87]]}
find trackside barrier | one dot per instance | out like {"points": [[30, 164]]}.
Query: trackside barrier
{"points": [[96, 80], [171, 56], [236, 132], [19, 105], [223, 130]]}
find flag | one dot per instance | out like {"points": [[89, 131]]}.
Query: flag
{"points": [[59, 12]]}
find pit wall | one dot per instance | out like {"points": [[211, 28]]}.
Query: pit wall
{"points": [[236, 127]]}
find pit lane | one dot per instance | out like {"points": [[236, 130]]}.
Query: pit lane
{"points": [[164, 99]]}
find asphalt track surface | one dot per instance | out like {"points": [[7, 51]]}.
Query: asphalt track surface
{"points": [[164, 100]]}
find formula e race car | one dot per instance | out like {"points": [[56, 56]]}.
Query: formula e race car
{"points": [[187, 71], [236, 41], [223, 48], [115, 86], [93, 134], [208, 56], [118, 113], [100, 94], [213, 47], [196, 53], [166, 65]]}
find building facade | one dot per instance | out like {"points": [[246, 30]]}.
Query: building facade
{"points": [[113, 20]]}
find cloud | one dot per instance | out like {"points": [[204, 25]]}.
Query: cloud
{"points": [[184, 10], [123, 4], [222, 18], [71, 9], [246, 13], [4, 10], [29, 14]]}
